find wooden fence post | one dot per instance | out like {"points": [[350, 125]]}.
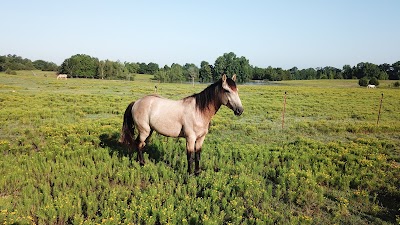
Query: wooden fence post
{"points": [[283, 111], [379, 112]]}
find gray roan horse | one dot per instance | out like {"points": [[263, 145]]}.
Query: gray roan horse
{"points": [[189, 118]]}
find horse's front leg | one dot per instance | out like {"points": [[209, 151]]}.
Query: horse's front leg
{"points": [[197, 169], [190, 159], [199, 144], [190, 144]]}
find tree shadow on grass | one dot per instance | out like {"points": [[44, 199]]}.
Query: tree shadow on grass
{"points": [[115, 147]]}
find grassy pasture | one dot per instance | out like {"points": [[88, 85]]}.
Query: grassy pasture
{"points": [[60, 161]]}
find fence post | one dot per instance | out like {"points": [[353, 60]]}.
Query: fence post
{"points": [[283, 111], [379, 112]]}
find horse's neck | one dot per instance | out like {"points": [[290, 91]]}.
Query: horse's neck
{"points": [[211, 110]]}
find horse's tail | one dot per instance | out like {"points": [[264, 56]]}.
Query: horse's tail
{"points": [[128, 127]]}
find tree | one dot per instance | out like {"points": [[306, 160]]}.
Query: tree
{"points": [[80, 65], [363, 82], [14, 62], [161, 75], [308, 74], [374, 81], [244, 70], [230, 64], [295, 74], [100, 69], [3, 60], [45, 66], [347, 72], [132, 67], [142, 68], [191, 71], [271, 74], [152, 68], [175, 74], [205, 72], [395, 71], [67, 67], [109, 69], [258, 73]]}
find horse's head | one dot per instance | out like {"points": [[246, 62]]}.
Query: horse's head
{"points": [[230, 95]]}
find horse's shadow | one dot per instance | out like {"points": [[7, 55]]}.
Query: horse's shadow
{"points": [[111, 142]]}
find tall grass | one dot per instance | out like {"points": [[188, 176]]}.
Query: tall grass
{"points": [[61, 162]]}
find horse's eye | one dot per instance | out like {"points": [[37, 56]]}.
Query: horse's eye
{"points": [[226, 91]]}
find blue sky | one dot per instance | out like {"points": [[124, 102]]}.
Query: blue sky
{"points": [[268, 33]]}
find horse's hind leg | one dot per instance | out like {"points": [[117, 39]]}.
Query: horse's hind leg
{"points": [[140, 143]]}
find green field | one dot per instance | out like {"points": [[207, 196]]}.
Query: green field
{"points": [[60, 160]]}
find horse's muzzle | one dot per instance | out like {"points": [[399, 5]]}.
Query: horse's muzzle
{"points": [[238, 111]]}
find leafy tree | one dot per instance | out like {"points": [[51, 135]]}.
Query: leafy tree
{"points": [[132, 67], [308, 74], [230, 64], [294, 73], [80, 65], [363, 82], [258, 73], [374, 81], [191, 71], [161, 75], [152, 68], [67, 67], [100, 69], [110, 70], [142, 68], [175, 74], [244, 70], [365, 69], [205, 72], [271, 74], [45, 66], [347, 72], [14, 62], [3, 60], [395, 71]]}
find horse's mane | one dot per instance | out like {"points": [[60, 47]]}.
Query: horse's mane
{"points": [[208, 95]]}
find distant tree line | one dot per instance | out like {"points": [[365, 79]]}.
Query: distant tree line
{"points": [[14, 62], [85, 66]]}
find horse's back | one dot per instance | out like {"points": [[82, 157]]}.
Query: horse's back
{"points": [[160, 114]]}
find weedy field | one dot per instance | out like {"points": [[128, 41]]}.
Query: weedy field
{"points": [[60, 160]]}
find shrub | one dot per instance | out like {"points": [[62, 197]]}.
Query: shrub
{"points": [[374, 81], [396, 84], [12, 72], [363, 82]]}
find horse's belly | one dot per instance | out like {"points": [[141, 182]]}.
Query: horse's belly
{"points": [[169, 132], [166, 126]]}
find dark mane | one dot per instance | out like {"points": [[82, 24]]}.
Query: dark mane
{"points": [[208, 95]]}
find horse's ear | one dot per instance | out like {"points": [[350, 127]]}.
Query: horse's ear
{"points": [[224, 78], [234, 77]]}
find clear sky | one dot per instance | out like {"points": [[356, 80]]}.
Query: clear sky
{"points": [[285, 34]]}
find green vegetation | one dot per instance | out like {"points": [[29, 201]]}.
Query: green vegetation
{"points": [[60, 161], [363, 82], [85, 66]]}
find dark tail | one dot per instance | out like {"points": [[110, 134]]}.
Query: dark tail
{"points": [[128, 127]]}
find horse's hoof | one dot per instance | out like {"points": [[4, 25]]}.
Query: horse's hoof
{"points": [[141, 163]]}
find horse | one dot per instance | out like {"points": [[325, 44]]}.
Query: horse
{"points": [[188, 118], [371, 86], [62, 76]]}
